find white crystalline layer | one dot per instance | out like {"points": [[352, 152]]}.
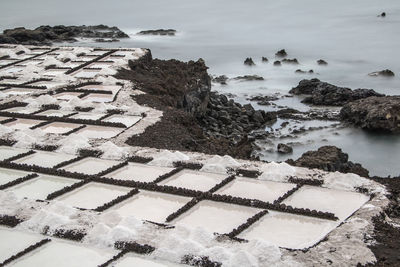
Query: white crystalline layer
{"points": [[139, 172], [21, 124], [13, 242], [340, 203], [93, 195], [45, 159], [41, 187], [194, 180], [151, 206], [131, 260], [59, 127], [99, 131], [128, 121], [9, 175], [54, 113], [90, 165], [289, 230], [279, 172], [87, 116], [215, 216], [8, 152], [21, 110], [267, 191], [62, 253]]}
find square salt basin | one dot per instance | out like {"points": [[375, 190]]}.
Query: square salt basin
{"points": [[54, 113], [45, 159], [128, 121], [21, 110], [59, 127], [194, 180], [216, 216], [289, 230], [139, 172], [67, 95], [151, 206], [90, 165], [62, 253], [267, 191], [19, 91], [9, 175], [21, 124], [92, 131], [341, 203], [41, 187], [93, 195], [86, 73], [7, 152], [13, 242], [99, 97], [131, 260], [87, 116]]}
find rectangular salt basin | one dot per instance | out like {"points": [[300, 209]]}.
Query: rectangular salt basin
{"points": [[86, 73], [54, 72], [131, 260], [93, 195], [128, 121], [216, 216], [7, 152], [22, 110], [13, 242], [267, 191], [92, 131], [139, 172], [151, 206], [194, 180], [67, 95], [87, 116], [62, 253], [55, 113], [9, 175], [45, 159], [341, 203], [90, 165], [289, 230], [41, 187], [21, 124], [13, 69], [99, 97], [19, 91], [59, 127]]}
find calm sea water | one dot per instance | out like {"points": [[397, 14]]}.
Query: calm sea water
{"points": [[347, 34]]}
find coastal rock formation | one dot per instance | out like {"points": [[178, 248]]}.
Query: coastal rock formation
{"points": [[277, 63], [284, 149], [249, 62], [264, 59], [290, 61], [222, 79], [322, 93], [322, 62], [281, 53], [46, 35], [249, 78], [329, 158], [170, 32], [374, 113], [383, 73], [263, 100]]}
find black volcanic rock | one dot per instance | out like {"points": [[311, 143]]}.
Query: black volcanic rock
{"points": [[249, 78], [264, 59], [284, 149], [322, 62], [281, 53], [290, 61], [169, 32], [249, 62], [322, 93], [383, 73], [277, 63]]}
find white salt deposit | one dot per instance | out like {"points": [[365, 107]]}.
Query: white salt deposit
{"points": [[112, 151], [90, 165], [99, 98], [20, 124], [8, 152], [92, 131], [59, 127], [87, 116], [220, 164], [54, 113], [194, 180], [22, 110], [131, 260], [45, 159], [72, 143], [167, 158], [67, 95], [279, 172], [9, 175], [139, 172], [128, 121], [345, 181]]}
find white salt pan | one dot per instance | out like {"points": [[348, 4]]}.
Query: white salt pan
{"points": [[131, 260], [99, 131], [21, 124], [90, 165], [194, 180], [8, 152], [87, 116], [139, 172], [59, 127], [128, 121], [8, 175], [45, 159]]}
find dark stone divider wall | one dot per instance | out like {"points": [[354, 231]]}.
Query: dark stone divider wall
{"points": [[25, 251]]}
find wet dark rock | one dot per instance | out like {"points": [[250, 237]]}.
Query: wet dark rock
{"points": [[300, 71], [329, 158], [322, 62], [222, 79], [263, 100], [290, 61], [284, 149], [102, 40], [46, 35], [322, 93], [170, 32], [281, 53], [374, 113], [249, 62], [382, 15], [277, 63], [249, 78], [264, 59], [383, 73]]}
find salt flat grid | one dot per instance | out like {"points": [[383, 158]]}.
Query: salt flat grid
{"points": [[167, 197]]}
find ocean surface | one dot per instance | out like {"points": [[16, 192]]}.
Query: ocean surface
{"points": [[349, 35]]}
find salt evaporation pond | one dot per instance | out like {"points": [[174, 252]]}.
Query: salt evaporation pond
{"points": [[93, 195], [131, 260], [92, 131], [194, 180], [9, 175], [21, 124], [8, 152], [216, 217], [100, 98], [128, 121], [139, 172], [22, 110], [55, 113], [45, 159], [289, 230], [339, 202], [41, 187], [90, 165], [87, 116], [59, 127]]}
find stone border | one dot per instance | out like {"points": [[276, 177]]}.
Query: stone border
{"points": [[200, 261], [10, 220], [287, 194], [250, 221], [25, 251], [29, 58], [133, 247], [67, 189], [117, 200], [97, 58], [188, 165], [19, 180]]}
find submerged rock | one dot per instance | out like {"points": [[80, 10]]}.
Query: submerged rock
{"points": [[264, 59], [249, 78], [249, 62], [281, 53], [284, 149], [383, 73], [329, 158], [322, 93], [170, 32], [290, 61], [277, 63], [222, 79], [263, 100], [322, 62], [374, 113], [382, 15]]}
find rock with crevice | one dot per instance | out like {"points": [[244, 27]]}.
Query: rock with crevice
{"points": [[382, 73]]}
